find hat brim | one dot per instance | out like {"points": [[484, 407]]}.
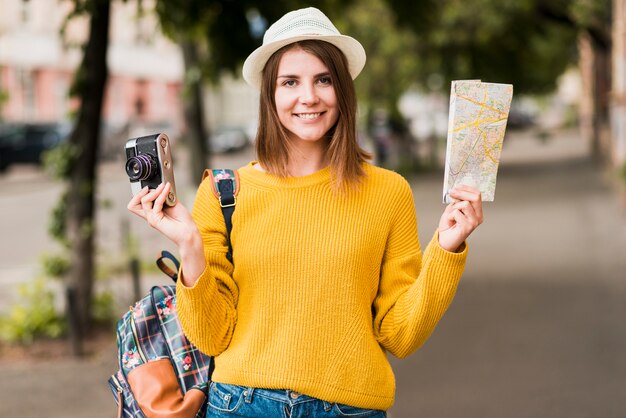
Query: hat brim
{"points": [[255, 63]]}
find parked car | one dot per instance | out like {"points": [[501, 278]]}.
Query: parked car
{"points": [[228, 139], [25, 143], [522, 114]]}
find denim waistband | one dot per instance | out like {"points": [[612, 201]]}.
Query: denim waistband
{"points": [[286, 396]]}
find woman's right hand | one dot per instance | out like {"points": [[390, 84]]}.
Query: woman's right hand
{"points": [[176, 223]]}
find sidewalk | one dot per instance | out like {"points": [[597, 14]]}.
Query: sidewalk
{"points": [[537, 328], [66, 388]]}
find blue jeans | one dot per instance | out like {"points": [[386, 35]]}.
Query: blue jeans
{"points": [[240, 401]]}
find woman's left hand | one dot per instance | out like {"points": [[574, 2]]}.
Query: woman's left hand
{"points": [[460, 218]]}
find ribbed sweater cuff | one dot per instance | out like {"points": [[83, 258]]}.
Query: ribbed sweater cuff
{"points": [[198, 287], [436, 253]]}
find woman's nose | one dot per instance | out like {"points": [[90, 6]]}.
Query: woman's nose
{"points": [[308, 95]]}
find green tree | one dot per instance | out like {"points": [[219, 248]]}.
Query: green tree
{"points": [[501, 41], [392, 61], [528, 43]]}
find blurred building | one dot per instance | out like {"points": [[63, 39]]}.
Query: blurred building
{"points": [[146, 70], [232, 103], [37, 66]]}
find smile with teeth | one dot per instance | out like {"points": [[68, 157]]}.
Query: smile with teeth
{"points": [[308, 116]]}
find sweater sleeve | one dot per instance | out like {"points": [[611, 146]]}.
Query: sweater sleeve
{"points": [[414, 290], [207, 310]]}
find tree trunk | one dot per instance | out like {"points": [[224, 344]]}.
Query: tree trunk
{"points": [[194, 112], [618, 96], [91, 79], [594, 62]]}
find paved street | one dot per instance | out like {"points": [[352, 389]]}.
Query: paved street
{"points": [[537, 328]]}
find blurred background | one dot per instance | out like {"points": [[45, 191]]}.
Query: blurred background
{"points": [[537, 328]]}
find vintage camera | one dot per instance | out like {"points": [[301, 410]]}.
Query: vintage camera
{"points": [[149, 163]]}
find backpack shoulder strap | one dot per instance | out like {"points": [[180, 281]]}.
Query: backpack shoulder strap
{"points": [[231, 179], [225, 184]]}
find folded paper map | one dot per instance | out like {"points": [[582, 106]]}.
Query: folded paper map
{"points": [[476, 125]]}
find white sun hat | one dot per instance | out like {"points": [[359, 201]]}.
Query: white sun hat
{"points": [[300, 25]]}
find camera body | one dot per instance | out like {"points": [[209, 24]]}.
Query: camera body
{"points": [[149, 163]]}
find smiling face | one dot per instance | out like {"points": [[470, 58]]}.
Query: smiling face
{"points": [[305, 98], [281, 124]]}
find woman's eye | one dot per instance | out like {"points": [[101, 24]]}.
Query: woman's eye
{"points": [[289, 83], [325, 80]]}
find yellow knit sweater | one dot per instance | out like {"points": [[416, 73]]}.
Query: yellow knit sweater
{"points": [[322, 285]]}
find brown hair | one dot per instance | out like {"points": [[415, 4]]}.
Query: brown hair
{"points": [[344, 154]]}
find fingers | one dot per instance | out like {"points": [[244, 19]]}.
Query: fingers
{"points": [[175, 222], [465, 214], [471, 195], [135, 205], [153, 211], [463, 192], [160, 200], [461, 216], [149, 202]]}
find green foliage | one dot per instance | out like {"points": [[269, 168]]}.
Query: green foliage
{"points": [[87, 228], [55, 266], [221, 28], [106, 203], [392, 59], [4, 97], [58, 160], [131, 245], [34, 316], [528, 43], [209, 24], [103, 308], [590, 13], [79, 84], [57, 227]]}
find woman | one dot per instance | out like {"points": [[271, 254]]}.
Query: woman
{"points": [[328, 274]]}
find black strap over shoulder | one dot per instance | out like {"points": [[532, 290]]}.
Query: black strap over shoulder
{"points": [[226, 187], [228, 200]]}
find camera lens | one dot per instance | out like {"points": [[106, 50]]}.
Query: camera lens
{"points": [[141, 167]]}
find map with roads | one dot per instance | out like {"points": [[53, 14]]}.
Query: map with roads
{"points": [[476, 126]]}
